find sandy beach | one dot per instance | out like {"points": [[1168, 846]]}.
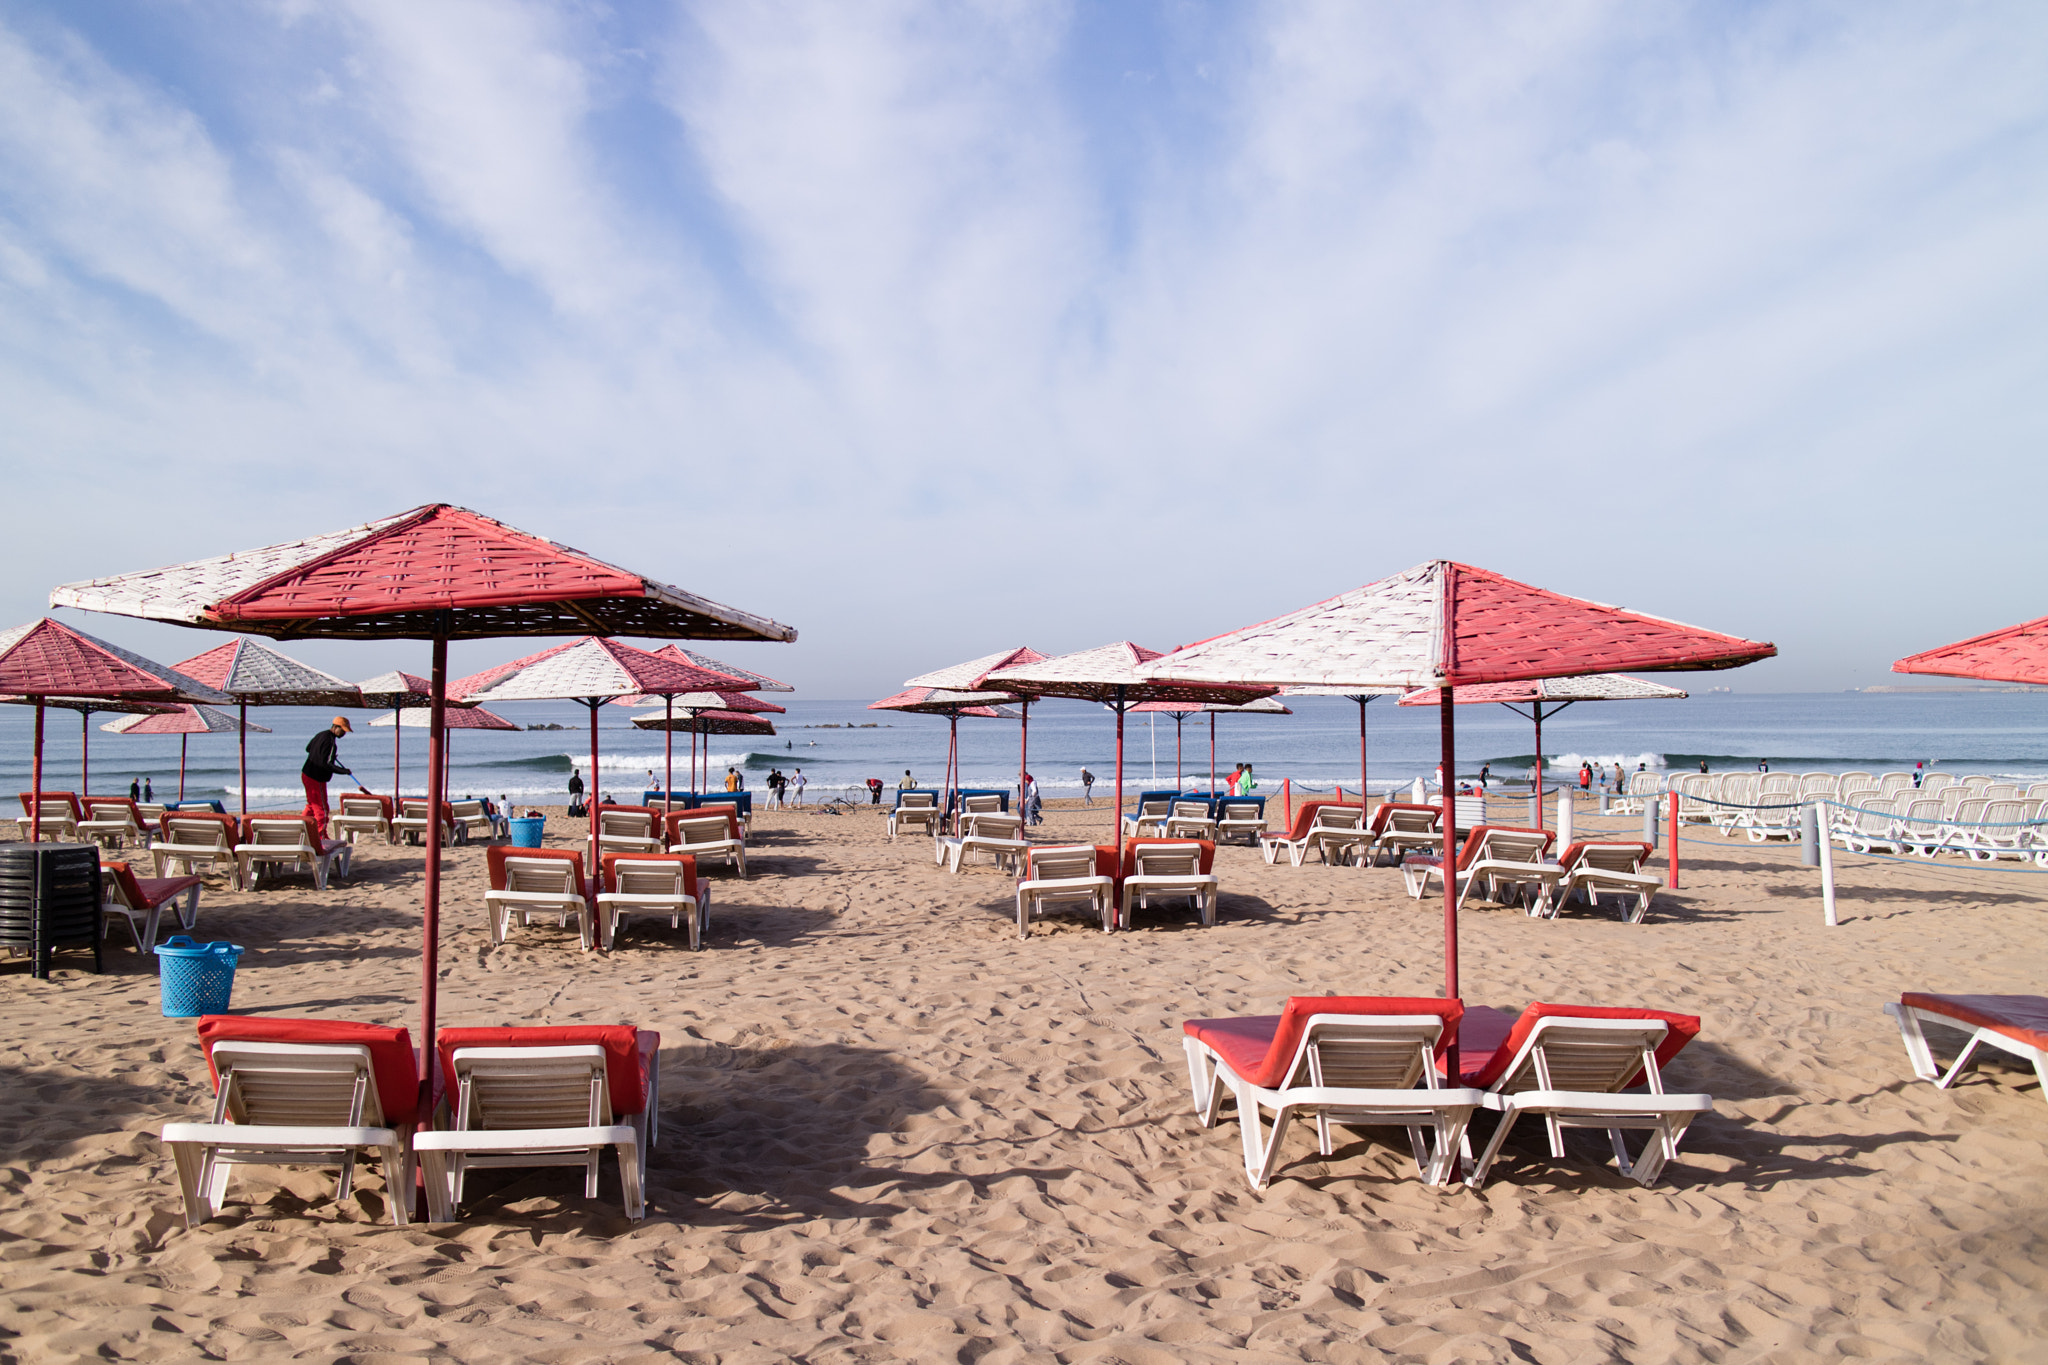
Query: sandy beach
{"points": [[894, 1132]]}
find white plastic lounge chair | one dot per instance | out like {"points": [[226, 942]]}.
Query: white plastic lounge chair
{"points": [[2002, 833], [914, 810], [58, 817], [362, 815], [1816, 784], [1335, 834], [2001, 791], [1239, 819], [1871, 827], [2015, 1024], [415, 818], [659, 885], [990, 835], [707, 838], [287, 843], [1492, 855], [542, 1103], [1931, 783], [1405, 829], [1857, 774], [1189, 820], [1570, 1068], [1776, 818], [1891, 784], [1613, 867], [538, 881], [139, 902], [1150, 819], [1920, 826], [1169, 869], [472, 821], [111, 822], [1362, 1062], [298, 1104], [1062, 877], [192, 840], [981, 805]]}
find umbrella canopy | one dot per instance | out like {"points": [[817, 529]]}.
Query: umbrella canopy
{"points": [[254, 674], [436, 573], [708, 723], [464, 718], [1558, 693], [397, 691], [1181, 710], [967, 677], [1113, 674], [46, 659], [1443, 624], [2016, 654], [739, 681], [687, 704], [758, 682], [184, 722]]}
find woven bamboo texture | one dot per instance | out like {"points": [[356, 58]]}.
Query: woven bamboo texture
{"points": [[2017, 654], [590, 667], [1585, 687], [454, 718], [48, 658], [93, 705], [1106, 673], [941, 701], [967, 677], [436, 570], [251, 671], [1443, 624], [708, 723], [1264, 706], [183, 720], [759, 682]]}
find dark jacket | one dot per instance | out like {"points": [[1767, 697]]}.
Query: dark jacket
{"points": [[320, 759]]}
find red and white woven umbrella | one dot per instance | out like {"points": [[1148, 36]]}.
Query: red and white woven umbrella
{"points": [[254, 674], [592, 671], [471, 717], [46, 659], [184, 722], [741, 681], [1558, 693], [1181, 710], [941, 701], [2017, 654], [679, 711], [1443, 625], [967, 677], [1115, 675], [398, 691], [435, 573]]}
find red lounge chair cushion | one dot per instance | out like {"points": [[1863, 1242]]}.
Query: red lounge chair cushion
{"points": [[611, 861], [226, 822], [383, 802], [1105, 862], [392, 1060], [146, 893], [731, 814], [1570, 857], [627, 1051], [53, 798], [1205, 866], [1259, 1047], [2022, 1018], [1486, 1049], [496, 855]]}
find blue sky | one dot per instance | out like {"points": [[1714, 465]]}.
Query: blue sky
{"points": [[933, 329]]}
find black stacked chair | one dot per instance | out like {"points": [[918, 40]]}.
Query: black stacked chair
{"points": [[50, 897]]}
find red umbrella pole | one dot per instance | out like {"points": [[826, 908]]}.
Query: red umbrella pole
{"points": [[84, 753], [182, 739], [1361, 753], [1539, 765], [397, 729], [1450, 855], [430, 924], [1178, 717], [1023, 756], [668, 749], [1116, 817], [35, 782], [596, 787], [952, 753], [1212, 755], [242, 750]]}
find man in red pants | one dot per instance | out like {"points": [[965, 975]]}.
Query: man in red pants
{"points": [[322, 763]]}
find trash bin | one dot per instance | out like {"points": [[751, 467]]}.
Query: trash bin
{"points": [[198, 978], [526, 831]]}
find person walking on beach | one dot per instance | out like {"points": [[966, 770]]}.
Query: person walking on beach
{"points": [[1763, 765], [135, 790], [575, 792], [1032, 804], [1244, 780], [874, 791], [1703, 765], [1919, 771], [1585, 777], [799, 782], [150, 796], [732, 779], [322, 763], [1620, 779], [1087, 787], [1485, 773]]}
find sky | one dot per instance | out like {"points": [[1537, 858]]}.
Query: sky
{"points": [[935, 329]]}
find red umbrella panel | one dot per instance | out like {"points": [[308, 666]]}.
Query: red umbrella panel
{"points": [[47, 658], [254, 674], [1442, 625], [2016, 654], [435, 573], [184, 722], [940, 701], [967, 677]]}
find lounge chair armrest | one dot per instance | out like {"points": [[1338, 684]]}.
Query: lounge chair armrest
{"points": [[1597, 1102], [270, 1137], [523, 1139]]}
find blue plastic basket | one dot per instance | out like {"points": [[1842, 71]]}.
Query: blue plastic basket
{"points": [[197, 978], [526, 831]]}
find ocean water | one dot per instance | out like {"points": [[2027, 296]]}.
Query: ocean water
{"points": [[1316, 747]]}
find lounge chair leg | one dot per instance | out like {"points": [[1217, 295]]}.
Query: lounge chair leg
{"points": [[631, 1156], [347, 1179], [191, 1163], [1271, 1158], [1485, 1163], [397, 1184], [1424, 1165], [1962, 1060]]}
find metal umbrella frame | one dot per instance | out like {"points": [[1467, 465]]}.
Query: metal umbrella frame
{"points": [[1559, 693], [1443, 625], [184, 722], [47, 658], [435, 573], [1114, 675]]}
